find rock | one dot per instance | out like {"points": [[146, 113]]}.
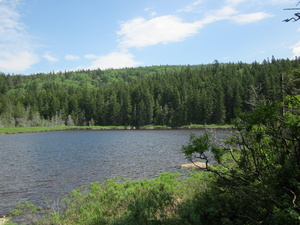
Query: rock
{"points": [[3, 220], [197, 165]]}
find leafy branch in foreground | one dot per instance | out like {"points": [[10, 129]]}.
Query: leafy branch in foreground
{"points": [[259, 167]]}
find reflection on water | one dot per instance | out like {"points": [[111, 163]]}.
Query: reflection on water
{"points": [[38, 166]]}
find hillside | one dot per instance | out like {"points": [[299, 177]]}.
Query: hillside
{"points": [[158, 95]]}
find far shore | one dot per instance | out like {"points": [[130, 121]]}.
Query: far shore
{"points": [[16, 130]]}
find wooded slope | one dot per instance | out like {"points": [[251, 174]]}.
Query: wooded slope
{"points": [[158, 95]]}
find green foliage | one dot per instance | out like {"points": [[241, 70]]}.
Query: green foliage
{"points": [[158, 95], [199, 146], [257, 178], [121, 201], [27, 209]]}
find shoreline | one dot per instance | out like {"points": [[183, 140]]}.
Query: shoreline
{"points": [[19, 130]]}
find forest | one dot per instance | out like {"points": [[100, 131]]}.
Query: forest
{"points": [[154, 95]]}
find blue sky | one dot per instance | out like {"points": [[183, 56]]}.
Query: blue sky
{"points": [[57, 35]]}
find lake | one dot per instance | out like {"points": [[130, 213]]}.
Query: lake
{"points": [[40, 166]]}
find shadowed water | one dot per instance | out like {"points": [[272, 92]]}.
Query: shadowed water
{"points": [[40, 166]]}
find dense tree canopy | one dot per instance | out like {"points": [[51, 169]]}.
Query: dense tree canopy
{"points": [[158, 95]]}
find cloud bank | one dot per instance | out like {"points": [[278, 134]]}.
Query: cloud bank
{"points": [[140, 32], [50, 58], [16, 52], [72, 57], [113, 60]]}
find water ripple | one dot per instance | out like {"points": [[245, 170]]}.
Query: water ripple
{"points": [[42, 165]]}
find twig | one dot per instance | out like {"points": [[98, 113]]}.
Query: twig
{"points": [[295, 196]]}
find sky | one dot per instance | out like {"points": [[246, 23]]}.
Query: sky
{"points": [[42, 36]]}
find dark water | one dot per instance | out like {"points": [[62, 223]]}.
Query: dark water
{"points": [[40, 166]]}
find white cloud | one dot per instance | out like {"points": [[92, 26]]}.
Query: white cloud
{"points": [[224, 13], [265, 2], [9, 22], [152, 13], [235, 2], [276, 2], [16, 61], [17, 50], [296, 49], [230, 13], [90, 56], [50, 58], [251, 17], [72, 57], [190, 7], [140, 32], [114, 60]]}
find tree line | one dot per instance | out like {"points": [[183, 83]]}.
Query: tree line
{"points": [[155, 95]]}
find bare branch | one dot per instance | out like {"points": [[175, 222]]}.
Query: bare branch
{"points": [[232, 155], [297, 15], [295, 196], [254, 95]]}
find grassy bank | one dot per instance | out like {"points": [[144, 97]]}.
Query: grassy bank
{"points": [[207, 126], [15, 130], [158, 201]]}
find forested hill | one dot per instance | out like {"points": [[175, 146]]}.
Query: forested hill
{"points": [[158, 95]]}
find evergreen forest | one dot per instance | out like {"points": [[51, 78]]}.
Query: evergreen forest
{"points": [[155, 95]]}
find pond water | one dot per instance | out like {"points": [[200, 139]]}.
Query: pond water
{"points": [[40, 166]]}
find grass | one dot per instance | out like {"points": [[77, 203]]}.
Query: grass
{"points": [[121, 201], [201, 126], [15, 130]]}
